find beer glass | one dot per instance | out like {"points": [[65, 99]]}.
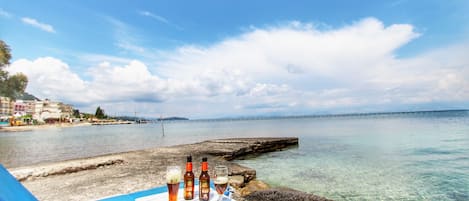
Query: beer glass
{"points": [[221, 180], [173, 177]]}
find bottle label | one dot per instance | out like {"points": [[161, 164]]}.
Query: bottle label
{"points": [[204, 190], [189, 185], [189, 188]]}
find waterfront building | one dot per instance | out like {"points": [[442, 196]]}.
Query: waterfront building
{"points": [[6, 107], [5, 111], [29, 104], [19, 108], [26, 111], [47, 111], [66, 111]]}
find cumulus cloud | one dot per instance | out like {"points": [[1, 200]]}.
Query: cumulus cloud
{"points": [[52, 78], [350, 66], [288, 69], [37, 24]]}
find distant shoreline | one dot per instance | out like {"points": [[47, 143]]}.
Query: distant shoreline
{"points": [[40, 127], [331, 115]]}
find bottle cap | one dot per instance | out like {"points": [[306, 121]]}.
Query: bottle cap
{"points": [[189, 158], [204, 159]]}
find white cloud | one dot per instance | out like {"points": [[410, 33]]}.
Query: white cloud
{"points": [[125, 38], [37, 24], [51, 78], [5, 13], [291, 69], [154, 16], [159, 19]]}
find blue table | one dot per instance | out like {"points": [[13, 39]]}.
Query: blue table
{"points": [[139, 194], [11, 189]]}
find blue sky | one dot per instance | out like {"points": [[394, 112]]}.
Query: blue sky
{"points": [[242, 58]]}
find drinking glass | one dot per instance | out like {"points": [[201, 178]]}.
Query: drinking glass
{"points": [[221, 180], [173, 177]]}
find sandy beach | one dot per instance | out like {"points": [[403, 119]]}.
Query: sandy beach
{"points": [[108, 175], [38, 127]]}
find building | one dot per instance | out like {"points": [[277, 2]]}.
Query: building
{"points": [[66, 110], [51, 112], [5, 111], [27, 111], [19, 108], [6, 107], [47, 111], [30, 104]]}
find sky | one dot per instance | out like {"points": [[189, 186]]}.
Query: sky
{"points": [[214, 59]]}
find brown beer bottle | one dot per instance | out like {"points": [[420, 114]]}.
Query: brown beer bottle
{"points": [[204, 182], [189, 180]]}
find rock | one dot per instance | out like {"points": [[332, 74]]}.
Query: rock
{"points": [[237, 181], [232, 148], [283, 194], [248, 173], [64, 168], [253, 146], [253, 186]]}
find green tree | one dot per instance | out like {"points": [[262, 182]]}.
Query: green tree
{"points": [[5, 55], [14, 86], [87, 115], [100, 113], [76, 113], [10, 86]]}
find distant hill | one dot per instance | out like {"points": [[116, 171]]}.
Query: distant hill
{"points": [[172, 119], [27, 96], [133, 118]]}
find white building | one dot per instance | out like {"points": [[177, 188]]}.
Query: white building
{"points": [[47, 111]]}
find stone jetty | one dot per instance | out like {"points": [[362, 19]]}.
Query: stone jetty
{"points": [[121, 173]]}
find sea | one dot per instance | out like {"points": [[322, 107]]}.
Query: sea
{"points": [[380, 156]]}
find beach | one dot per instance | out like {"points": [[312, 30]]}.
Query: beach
{"points": [[103, 176], [40, 127]]}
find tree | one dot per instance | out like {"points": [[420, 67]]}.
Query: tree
{"points": [[10, 86], [5, 55], [14, 86], [76, 113], [100, 113]]}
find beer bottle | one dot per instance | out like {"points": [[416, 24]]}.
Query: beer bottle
{"points": [[189, 180], [204, 182]]}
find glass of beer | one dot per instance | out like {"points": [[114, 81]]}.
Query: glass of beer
{"points": [[173, 177], [221, 180]]}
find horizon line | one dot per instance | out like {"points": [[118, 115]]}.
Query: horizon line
{"points": [[329, 115]]}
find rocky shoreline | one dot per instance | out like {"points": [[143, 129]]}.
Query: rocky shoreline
{"points": [[108, 175]]}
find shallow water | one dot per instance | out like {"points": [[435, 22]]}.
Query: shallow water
{"points": [[379, 157], [391, 158]]}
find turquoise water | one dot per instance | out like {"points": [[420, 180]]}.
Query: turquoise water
{"points": [[375, 157], [386, 158]]}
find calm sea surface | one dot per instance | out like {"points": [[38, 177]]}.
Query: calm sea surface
{"points": [[421, 156]]}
